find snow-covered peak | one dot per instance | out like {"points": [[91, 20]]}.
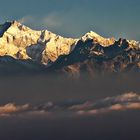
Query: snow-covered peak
{"points": [[21, 42], [91, 35], [99, 39]]}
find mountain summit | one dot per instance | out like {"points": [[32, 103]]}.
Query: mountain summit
{"points": [[22, 46]]}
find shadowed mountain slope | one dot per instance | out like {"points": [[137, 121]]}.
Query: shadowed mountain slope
{"points": [[23, 49]]}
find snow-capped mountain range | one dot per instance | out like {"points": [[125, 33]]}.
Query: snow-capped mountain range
{"points": [[22, 48]]}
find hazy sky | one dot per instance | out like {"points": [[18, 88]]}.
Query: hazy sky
{"points": [[119, 18]]}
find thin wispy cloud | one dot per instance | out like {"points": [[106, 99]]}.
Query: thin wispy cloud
{"points": [[26, 19], [52, 20]]}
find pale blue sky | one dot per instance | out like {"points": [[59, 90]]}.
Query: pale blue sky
{"points": [[73, 18]]}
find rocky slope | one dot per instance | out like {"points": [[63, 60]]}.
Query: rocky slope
{"points": [[22, 48]]}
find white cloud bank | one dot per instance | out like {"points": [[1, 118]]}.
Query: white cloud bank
{"points": [[127, 101]]}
